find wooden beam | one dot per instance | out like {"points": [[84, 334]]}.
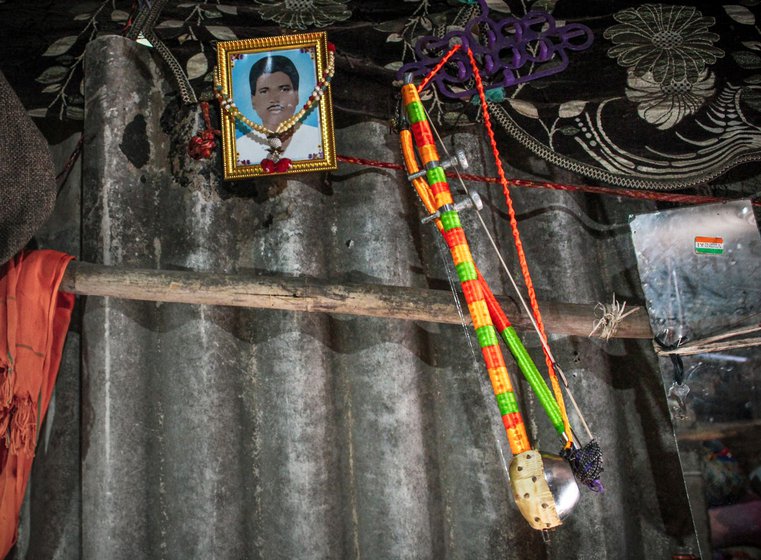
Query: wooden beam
{"points": [[319, 296]]}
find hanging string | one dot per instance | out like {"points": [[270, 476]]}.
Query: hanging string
{"points": [[519, 247], [452, 278], [438, 67], [63, 176], [525, 183]]}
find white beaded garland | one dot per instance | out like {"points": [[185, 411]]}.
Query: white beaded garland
{"points": [[228, 105]]}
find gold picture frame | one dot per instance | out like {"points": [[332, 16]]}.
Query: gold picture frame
{"points": [[273, 64]]}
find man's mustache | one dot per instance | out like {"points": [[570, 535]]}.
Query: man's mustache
{"points": [[275, 106]]}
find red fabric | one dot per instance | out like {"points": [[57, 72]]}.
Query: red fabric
{"points": [[34, 319]]}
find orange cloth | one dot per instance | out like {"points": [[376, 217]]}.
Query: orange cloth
{"points": [[34, 319]]}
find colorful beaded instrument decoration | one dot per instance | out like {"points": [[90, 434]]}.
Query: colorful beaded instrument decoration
{"points": [[543, 500], [498, 316], [467, 272], [532, 492], [275, 137]]}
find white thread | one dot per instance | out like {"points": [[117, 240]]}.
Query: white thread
{"points": [[611, 318]]}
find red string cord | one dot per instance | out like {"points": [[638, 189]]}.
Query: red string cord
{"points": [[438, 67], [525, 183], [63, 176], [519, 245]]}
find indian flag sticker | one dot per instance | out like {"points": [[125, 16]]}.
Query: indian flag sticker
{"points": [[709, 245]]}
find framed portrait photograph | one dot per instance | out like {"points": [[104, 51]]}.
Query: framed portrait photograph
{"points": [[277, 113]]}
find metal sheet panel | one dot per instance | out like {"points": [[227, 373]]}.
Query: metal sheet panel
{"points": [[693, 291], [701, 274]]}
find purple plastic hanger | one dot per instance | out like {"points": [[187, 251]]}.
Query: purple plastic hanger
{"points": [[502, 47]]}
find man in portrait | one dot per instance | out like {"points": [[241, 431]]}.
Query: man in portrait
{"points": [[274, 82]]}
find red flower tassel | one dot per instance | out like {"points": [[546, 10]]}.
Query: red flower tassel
{"points": [[203, 143]]}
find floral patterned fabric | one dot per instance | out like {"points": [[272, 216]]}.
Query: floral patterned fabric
{"points": [[668, 52], [672, 43], [668, 96], [302, 14]]}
